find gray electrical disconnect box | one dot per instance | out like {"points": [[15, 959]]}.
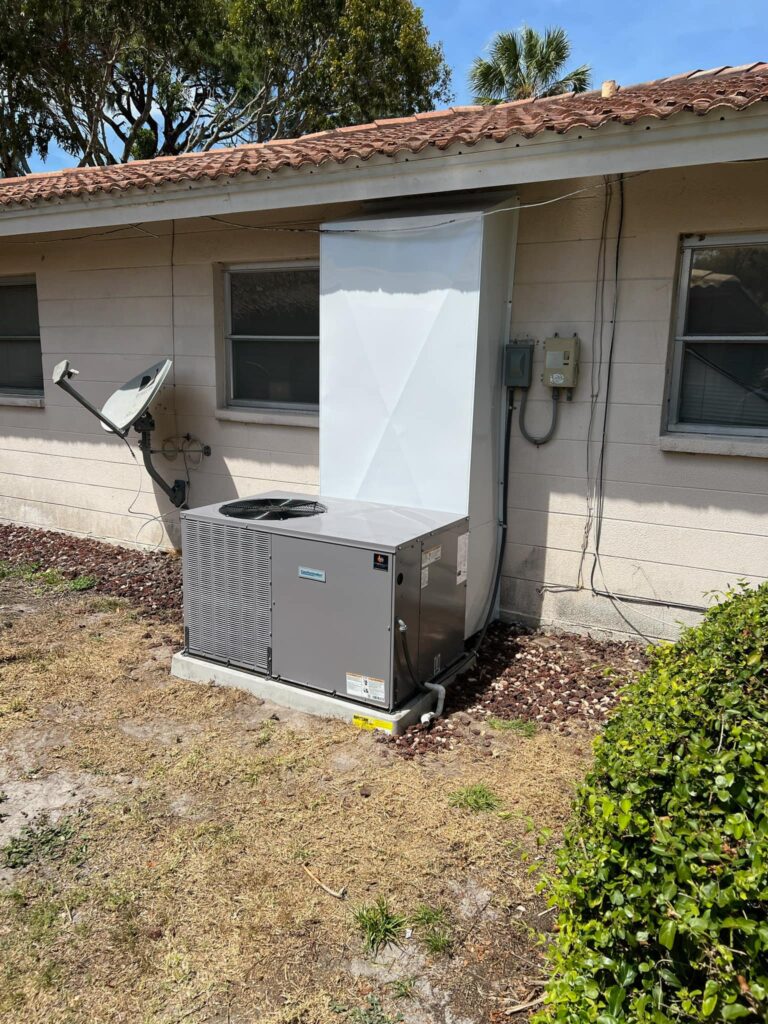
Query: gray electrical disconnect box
{"points": [[518, 361], [315, 601], [561, 362]]}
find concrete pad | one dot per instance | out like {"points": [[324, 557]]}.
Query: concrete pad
{"points": [[311, 702]]}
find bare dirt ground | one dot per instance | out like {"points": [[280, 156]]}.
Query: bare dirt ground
{"points": [[157, 839]]}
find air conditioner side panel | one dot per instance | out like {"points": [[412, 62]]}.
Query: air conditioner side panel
{"points": [[227, 593], [443, 600]]}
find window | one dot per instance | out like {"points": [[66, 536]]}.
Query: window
{"points": [[21, 365], [273, 328], [720, 365]]}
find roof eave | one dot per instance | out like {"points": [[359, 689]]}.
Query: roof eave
{"points": [[720, 136]]}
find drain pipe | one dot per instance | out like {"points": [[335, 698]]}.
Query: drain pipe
{"points": [[436, 688]]}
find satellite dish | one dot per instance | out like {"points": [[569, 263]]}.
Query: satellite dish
{"points": [[128, 404], [128, 407], [131, 401]]}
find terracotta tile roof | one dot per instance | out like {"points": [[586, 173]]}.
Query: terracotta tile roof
{"points": [[696, 91]]}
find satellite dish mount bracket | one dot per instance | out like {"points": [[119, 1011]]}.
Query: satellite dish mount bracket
{"points": [[177, 491]]}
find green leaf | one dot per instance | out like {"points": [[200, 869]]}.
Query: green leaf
{"points": [[667, 933], [735, 1011], [709, 1002]]}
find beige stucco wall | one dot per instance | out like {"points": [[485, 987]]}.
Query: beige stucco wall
{"points": [[677, 525], [112, 304]]}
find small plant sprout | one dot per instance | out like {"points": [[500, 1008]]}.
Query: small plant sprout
{"points": [[433, 924], [438, 940], [43, 841], [403, 988], [82, 583], [379, 925], [475, 798], [426, 916]]}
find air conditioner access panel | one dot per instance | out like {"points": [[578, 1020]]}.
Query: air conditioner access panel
{"points": [[336, 608]]}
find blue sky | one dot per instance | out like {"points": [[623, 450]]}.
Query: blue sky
{"points": [[632, 41]]}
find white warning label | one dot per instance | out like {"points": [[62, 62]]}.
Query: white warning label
{"points": [[366, 687], [462, 559], [424, 578], [432, 555]]}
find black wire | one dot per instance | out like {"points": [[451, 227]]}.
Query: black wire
{"points": [[600, 482], [598, 313], [503, 526]]}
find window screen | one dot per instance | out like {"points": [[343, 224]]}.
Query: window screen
{"points": [[273, 337], [21, 367], [721, 353]]}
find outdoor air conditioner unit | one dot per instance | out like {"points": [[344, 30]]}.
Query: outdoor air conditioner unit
{"points": [[314, 592]]}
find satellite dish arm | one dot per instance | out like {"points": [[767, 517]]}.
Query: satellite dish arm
{"points": [[177, 491], [61, 374]]}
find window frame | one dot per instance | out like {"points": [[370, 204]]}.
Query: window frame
{"points": [[679, 338], [229, 337], [23, 396]]}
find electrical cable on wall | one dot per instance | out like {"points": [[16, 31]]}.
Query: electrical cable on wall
{"points": [[543, 438], [596, 492]]}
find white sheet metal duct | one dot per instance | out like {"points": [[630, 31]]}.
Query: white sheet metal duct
{"points": [[413, 317]]}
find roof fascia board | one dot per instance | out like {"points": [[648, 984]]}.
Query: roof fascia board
{"points": [[722, 136]]}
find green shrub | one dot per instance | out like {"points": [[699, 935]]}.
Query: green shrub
{"points": [[662, 884]]}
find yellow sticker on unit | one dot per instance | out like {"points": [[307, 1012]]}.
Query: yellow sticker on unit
{"points": [[364, 722]]}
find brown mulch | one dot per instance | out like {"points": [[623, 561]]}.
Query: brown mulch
{"points": [[151, 581], [561, 682], [556, 681]]}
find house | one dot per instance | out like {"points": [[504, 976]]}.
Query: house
{"points": [[640, 225]]}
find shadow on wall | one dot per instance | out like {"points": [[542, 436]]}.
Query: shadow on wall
{"points": [[60, 470], [676, 526]]}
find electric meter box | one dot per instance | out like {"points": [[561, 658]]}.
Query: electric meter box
{"points": [[561, 362], [315, 601]]}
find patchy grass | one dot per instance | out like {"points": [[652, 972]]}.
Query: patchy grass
{"points": [[378, 924], [438, 941], [426, 916], [82, 583], [53, 578], [433, 927], [476, 798], [403, 988], [189, 899], [372, 1013], [515, 725], [43, 841]]}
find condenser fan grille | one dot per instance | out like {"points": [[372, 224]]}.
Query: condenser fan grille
{"points": [[272, 508]]}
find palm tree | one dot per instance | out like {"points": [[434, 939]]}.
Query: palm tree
{"points": [[526, 65]]}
